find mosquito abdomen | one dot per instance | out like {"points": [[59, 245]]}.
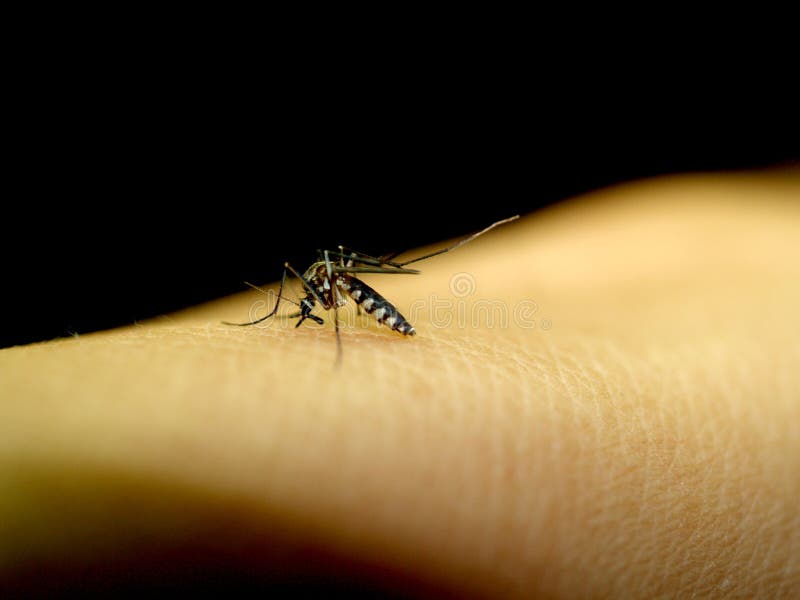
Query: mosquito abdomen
{"points": [[376, 305]]}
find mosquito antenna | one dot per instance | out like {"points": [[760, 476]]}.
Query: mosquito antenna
{"points": [[274, 310], [263, 291], [255, 287], [461, 243]]}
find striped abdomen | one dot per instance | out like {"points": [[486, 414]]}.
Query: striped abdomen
{"points": [[375, 304]]}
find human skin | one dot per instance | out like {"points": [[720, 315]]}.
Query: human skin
{"points": [[637, 436]]}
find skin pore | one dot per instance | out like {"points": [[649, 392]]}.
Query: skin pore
{"points": [[602, 400]]}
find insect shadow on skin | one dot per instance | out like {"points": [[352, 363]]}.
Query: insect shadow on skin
{"points": [[334, 276]]}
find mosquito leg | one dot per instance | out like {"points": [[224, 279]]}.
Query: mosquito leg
{"points": [[353, 256], [338, 336], [334, 288], [343, 250], [458, 244], [387, 258], [362, 257], [274, 310]]}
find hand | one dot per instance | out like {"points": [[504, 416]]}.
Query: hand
{"points": [[636, 435]]}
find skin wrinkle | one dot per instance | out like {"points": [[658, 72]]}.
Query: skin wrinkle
{"points": [[672, 464], [696, 534], [645, 446], [764, 527]]}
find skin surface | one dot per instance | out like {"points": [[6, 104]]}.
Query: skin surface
{"points": [[637, 435]]}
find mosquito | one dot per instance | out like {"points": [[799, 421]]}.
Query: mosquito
{"points": [[335, 275]]}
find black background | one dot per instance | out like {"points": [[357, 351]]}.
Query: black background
{"points": [[140, 193], [141, 178]]}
